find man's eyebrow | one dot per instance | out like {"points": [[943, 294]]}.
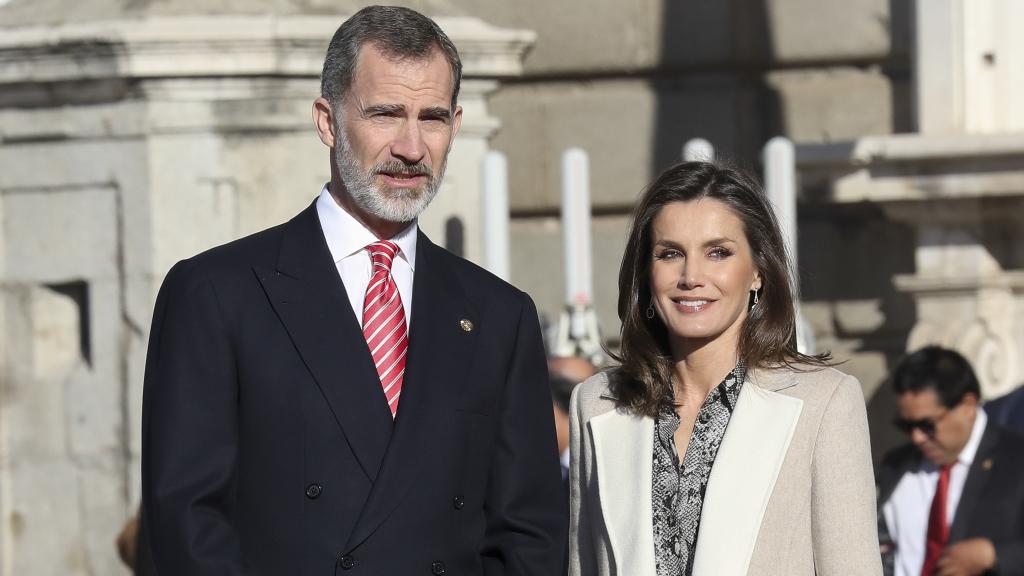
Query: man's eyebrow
{"points": [[383, 109], [438, 112]]}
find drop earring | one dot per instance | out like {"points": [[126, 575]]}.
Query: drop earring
{"points": [[650, 310], [755, 300]]}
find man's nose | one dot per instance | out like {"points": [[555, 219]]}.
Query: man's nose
{"points": [[408, 144], [918, 437]]}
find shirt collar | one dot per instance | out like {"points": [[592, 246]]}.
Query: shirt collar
{"points": [[970, 450], [347, 236]]}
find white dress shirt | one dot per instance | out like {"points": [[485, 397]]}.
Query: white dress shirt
{"points": [[347, 240], [906, 513]]}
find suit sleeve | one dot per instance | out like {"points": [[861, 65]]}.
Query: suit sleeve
{"points": [[581, 553], [1009, 558], [525, 501], [190, 438], [844, 520]]}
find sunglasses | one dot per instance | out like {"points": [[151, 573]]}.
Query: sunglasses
{"points": [[925, 425]]}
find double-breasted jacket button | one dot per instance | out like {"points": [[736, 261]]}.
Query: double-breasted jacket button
{"points": [[313, 491], [347, 562], [437, 568], [458, 502], [704, 417]]}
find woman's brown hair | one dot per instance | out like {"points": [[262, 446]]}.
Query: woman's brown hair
{"points": [[768, 336]]}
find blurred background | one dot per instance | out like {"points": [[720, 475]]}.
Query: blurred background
{"points": [[134, 133]]}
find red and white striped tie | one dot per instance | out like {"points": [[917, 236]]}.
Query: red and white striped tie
{"points": [[384, 322]]}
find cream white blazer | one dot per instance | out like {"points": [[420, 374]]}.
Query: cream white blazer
{"points": [[791, 492]]}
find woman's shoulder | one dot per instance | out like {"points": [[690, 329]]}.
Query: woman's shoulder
{"points": [[804, 379], [593, 396]]}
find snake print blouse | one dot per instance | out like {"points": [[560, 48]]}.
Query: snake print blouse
{"points": [[678, 490]]}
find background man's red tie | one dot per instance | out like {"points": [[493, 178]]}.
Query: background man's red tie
{"points": [[938, 528], [384, 322]]}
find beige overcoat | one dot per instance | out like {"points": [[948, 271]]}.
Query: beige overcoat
{"points": [[791, 492]]}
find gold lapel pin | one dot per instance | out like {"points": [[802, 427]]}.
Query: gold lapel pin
{"points": [[986, 464], [466, 325]]}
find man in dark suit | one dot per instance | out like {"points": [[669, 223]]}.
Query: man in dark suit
{"points": [[1008, 410], [951, 502], [338, 395]]}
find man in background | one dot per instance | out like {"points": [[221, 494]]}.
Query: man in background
{"points": [[566, 372], [951, 501], [1008, 410]]}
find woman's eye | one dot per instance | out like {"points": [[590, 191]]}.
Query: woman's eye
{"points": [[667, 255], [720, 253]]}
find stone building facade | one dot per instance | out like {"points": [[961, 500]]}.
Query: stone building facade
{"points": [[133, 134]]}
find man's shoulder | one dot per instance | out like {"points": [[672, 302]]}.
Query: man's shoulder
{"points": [[240, 256], [474, 278], [1008, 442]]}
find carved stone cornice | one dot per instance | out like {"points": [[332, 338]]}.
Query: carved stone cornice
{"points": [[220, 46]]}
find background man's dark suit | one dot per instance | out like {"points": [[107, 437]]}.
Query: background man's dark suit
{"points": [[992, 503], [269, 447]]}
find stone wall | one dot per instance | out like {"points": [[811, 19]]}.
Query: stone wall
{"points": [[630, 83]]}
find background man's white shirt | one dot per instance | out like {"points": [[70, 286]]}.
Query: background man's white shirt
{"points": [[906, 513], [347, 240]]}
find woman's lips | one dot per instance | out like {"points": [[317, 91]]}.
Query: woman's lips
{"points": [[692, 306]]}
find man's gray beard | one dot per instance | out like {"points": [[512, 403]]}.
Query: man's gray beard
{"points": [[388, 204]]}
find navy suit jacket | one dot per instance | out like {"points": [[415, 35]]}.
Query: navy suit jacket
{"points": [[268, 447], [1008, 410], [992, 503]]}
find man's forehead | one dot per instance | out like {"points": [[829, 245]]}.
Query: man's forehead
{"points": [[925, 399], [373, 64]]}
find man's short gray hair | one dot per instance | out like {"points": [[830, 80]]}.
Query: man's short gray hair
{"points": [[397, 32]]}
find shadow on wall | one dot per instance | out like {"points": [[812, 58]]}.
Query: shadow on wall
{"points": [[713, 58], [868, 318]]}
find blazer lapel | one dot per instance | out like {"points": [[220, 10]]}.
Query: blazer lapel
{"points": [[308, 295], [438, 345], [747, 465], [623, 456], [974, 487]]}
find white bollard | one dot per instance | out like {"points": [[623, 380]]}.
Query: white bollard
{"points": [[495, 214], [698, 150], [576, 236], [779, 157]]}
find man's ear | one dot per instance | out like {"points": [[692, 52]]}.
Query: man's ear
{"points": [[323, 121], [456, 121]]}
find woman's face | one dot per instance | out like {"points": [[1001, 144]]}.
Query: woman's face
{"points": [[702, 272]]}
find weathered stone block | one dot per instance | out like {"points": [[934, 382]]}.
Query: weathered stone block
{"points": [[801, 30], [829, 105], [631, 129]]}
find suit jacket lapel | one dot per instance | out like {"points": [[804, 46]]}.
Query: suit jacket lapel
{"points": [[438, 345], [974, 487], [308, 295], [747, 465], [624, 458]]}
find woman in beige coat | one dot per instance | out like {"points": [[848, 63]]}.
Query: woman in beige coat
{"points": [[716, 448]]}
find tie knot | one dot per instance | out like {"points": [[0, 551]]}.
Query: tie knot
{"points": [[382, 253]]}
